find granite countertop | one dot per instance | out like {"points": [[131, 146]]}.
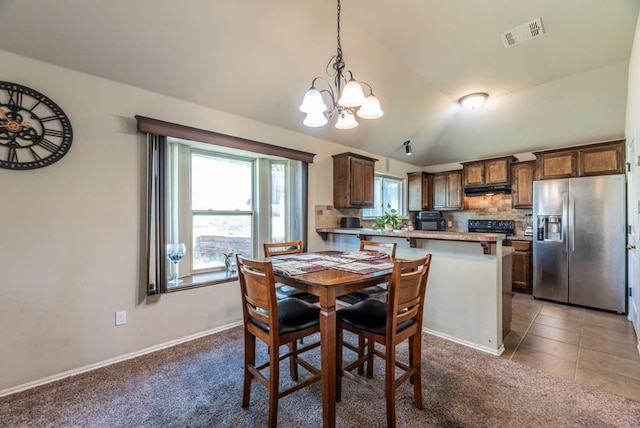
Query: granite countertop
{"points": [[420, 234]]}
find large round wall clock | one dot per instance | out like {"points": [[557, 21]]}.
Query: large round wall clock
{"points": [[34, 131]]}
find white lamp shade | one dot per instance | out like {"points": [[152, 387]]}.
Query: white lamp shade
{"points": [[315, 119], [352, 95], [313, 102], [371, 108], [472, 101], [346, 120]]}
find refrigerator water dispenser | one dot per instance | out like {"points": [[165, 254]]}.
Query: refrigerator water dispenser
{"points": [[549, 228]]}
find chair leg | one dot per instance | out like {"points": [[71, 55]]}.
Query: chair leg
{"points": [[339, 345], [249, 359], [274, 385], [370, 354], [361, 346], [293, 363], [390, 389], [416, 361]]}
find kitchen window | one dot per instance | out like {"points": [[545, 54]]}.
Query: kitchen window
{"points": [[387, 194]]}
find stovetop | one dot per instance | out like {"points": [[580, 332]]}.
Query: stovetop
{"points": [[492, 226]]}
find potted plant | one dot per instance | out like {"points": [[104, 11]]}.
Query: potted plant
{"points": [[229, 260], [389, 220]]}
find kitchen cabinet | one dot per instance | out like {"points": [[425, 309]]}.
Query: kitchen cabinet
{"points": [[581, 161], [522, 184], [447, 190], [420, 191], [353, 179], [488, 172], [522, 274]]}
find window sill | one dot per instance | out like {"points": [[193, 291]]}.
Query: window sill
{"points": [[203, 279]]}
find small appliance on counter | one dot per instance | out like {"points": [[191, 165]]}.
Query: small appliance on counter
{"points": [[430, 220], [350, 223], [528, 231]]}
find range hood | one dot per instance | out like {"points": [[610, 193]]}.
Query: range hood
{"points": [[487, 190]]}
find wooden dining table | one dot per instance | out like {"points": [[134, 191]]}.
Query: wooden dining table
{"points": [[328, 285]]}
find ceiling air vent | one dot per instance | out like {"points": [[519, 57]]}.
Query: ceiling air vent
{"points": [[523, 33]]}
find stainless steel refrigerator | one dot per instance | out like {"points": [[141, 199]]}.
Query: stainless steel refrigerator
{"points": [[579, 241]]}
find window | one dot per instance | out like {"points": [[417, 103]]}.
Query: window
{"points": [[387, 194], [215, 193]]}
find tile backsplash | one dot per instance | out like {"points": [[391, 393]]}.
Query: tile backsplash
{"points": [[495, 207]]}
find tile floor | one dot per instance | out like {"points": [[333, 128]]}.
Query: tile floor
{"points": [[591, 347]]}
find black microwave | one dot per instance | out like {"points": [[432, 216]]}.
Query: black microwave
{"points": [[431, 223]]}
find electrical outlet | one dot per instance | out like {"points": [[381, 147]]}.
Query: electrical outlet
{"points": [[449, 224], [121, 317]]}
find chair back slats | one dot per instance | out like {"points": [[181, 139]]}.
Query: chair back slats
{"points": [[281, 248], [407, 290], [258, 291], [389, 247]]}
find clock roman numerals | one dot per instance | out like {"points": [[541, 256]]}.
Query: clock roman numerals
{"points": [[15, 98], [13, 155], [46, 144], [54, 133]]}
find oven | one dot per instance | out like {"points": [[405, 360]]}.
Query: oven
{"points": [[492, 226]]}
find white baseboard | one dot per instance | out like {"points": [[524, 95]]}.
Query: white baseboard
{"points": [[486, 349], [115, 360]]}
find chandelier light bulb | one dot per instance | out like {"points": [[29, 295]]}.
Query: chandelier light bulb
{"points": [[370, 108], [352, 94], [315, 119], [313, 102], [346, 120]]}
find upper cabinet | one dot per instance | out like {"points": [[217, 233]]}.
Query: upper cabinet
{"points": [[487, 172], [581, 161], [522, 184], [419, 188], [353, 178], [447, 190]]}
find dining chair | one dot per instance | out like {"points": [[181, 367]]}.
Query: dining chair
{"points": [[378, 291], [283, 248], [276, 323], [389, 324]]}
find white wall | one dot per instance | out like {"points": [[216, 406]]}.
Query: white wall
{"points": [[632, 133], [71, 232]]}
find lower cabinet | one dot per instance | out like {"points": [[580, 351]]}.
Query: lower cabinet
{"points": [[522, 280]]}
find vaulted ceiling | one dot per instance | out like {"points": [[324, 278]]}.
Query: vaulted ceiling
{"points": [[256, 58]]}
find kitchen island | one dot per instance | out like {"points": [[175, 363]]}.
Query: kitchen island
{"points": [[469, 290]]}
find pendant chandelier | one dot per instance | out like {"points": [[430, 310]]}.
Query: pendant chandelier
{"points": [[346, 96]]}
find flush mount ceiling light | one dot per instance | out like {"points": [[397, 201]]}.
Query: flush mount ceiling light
{"points": [[407, 147], [345, 96], [473, 101]]}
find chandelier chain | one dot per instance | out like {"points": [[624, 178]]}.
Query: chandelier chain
{"points": [[339, 63]]}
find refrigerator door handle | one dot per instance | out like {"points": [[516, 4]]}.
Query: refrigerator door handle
{"points": [[565, 217], [570, 220]]}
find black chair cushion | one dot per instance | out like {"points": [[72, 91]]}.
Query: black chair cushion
{"points": [[293, 315], [369, 315], [286, 291]]}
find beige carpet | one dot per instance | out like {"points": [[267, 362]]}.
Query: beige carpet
{"points": [[199, 384]]}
